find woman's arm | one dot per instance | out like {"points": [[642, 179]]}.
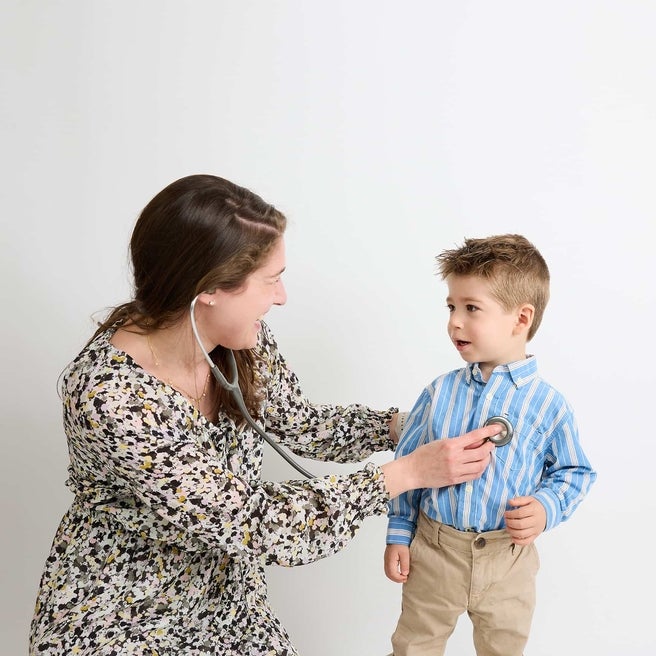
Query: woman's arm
{"points": [[129, 461], [143, 459]]}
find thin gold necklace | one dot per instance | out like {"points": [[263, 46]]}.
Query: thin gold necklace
{"points": [[196, 399]]}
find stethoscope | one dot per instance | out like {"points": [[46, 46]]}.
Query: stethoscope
{"points": [[500, 439], [232, 387], [506, 434]]}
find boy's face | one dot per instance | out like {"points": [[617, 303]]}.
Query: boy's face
{"points": [[480, 328]]}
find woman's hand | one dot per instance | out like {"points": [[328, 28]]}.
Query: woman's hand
{"points": [[442, 462]]}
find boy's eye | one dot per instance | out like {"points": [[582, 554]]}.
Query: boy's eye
{"points": [[471, 308], [450, 308]]}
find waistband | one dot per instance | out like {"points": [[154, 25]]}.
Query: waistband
{"points": [[447, 536]]}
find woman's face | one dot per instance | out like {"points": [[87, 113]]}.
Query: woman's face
{"points": [[233, 320]]}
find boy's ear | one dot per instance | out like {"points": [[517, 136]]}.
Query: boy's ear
{"points": [[524, 321]]}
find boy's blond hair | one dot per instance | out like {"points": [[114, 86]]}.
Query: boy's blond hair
{"points": [[516, 271]]}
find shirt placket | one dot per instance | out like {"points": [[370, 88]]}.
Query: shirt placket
{"points": [[469, 500]]}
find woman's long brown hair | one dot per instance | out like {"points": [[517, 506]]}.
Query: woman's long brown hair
{"points": [[199, 234]]}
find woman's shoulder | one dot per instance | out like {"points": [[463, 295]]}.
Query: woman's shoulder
{"points": [[95, 350], [99, 364], [128, 341]]}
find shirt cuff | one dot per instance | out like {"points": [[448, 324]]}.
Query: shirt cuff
{"points": [[400, 531], [551, 505]]}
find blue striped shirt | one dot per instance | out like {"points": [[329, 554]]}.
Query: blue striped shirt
{"points": [[544, 459]]}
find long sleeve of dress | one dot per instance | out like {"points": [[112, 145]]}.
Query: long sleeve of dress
{"points": [[160, 469], [323, 432]]}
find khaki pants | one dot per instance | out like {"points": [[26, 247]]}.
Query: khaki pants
{"points": [[454, 571]]}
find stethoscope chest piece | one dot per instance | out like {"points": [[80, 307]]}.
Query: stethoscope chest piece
{"points": [[502, 438]]}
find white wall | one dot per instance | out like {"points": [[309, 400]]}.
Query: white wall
{"points": [[386, 131]]}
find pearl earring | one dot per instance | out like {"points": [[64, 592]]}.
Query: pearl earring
{"points": [[211, 303]]}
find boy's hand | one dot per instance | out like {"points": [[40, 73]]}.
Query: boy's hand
{"points": [[527, 521], [397, 562]]}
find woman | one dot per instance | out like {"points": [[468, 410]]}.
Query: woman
{"points": [[163, 548]]}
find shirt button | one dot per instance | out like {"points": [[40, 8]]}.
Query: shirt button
{"points": [[479, 543]]}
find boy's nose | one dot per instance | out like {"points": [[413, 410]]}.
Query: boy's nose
{"points": [[455, 321]]}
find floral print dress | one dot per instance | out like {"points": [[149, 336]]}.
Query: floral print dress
{"points": [[163, 549]]}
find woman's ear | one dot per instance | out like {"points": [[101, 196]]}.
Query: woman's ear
{"points": [[524, 320], [206, 298]]}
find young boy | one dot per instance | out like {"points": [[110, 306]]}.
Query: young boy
{"points": [[470, 547]]}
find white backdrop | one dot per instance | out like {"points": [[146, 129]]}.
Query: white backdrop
{"points": [[386, 131]]}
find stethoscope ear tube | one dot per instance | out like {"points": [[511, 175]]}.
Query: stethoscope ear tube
{"points": [[502, 438]]}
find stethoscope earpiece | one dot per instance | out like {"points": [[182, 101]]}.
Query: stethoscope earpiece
{"points": [[502, 438]]}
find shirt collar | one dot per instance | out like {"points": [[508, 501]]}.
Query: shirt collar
{"points": [[520, 372]]}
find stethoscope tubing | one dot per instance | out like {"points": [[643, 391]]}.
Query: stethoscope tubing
{"points": [[232, 386]]}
